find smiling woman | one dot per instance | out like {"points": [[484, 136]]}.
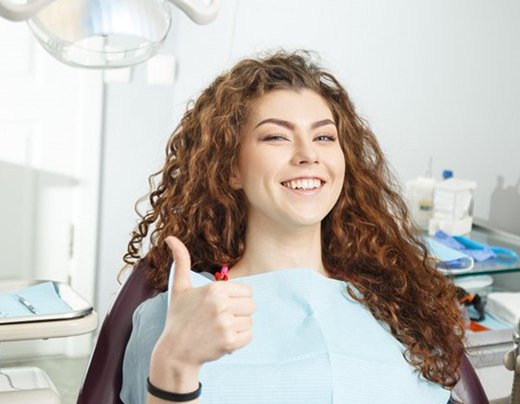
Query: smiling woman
{"points": [[273, 181], [290, 169]]}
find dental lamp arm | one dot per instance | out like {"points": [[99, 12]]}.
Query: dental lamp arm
{"points": [[200, 15], [20, 12]]}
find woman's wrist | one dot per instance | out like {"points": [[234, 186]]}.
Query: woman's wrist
{"points": [[169, 375], [164, 395]]}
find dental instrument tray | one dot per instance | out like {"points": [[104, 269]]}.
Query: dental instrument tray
{"points": [[42, 301]]}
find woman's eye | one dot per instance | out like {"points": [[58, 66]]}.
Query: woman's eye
{"points": [[274, 138], [325, 138]]}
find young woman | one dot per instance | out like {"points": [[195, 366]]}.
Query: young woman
{"points": [[274, 183]]}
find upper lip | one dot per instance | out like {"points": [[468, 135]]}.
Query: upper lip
{"points": [[305, 177]]}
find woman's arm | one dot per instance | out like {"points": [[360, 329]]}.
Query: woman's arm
{"points": [[202, 324]]}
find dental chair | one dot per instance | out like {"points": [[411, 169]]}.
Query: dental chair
{"points": [[102, 382], [103, 379]]}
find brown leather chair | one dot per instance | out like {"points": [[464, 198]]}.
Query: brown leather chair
{"points": [[468, 389], [103, 378]]}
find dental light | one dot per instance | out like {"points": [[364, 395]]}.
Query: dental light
{"points": [[103, 33]]}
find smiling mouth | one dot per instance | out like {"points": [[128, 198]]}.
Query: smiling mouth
{"points": [[307, 184]]}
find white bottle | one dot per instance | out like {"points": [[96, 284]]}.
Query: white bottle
{"points": [[420, 193]]}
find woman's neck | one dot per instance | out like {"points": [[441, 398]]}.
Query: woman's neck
{"points": [[270, 249]]}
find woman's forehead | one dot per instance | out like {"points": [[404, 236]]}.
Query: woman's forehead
{"points": [[292, 105]]}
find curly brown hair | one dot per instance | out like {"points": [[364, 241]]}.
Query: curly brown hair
{"points": [[367, 238]]}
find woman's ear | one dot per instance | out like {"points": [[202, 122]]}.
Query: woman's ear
{"points": [[234, 181]]}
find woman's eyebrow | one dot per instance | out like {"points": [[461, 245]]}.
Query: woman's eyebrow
{"points": [[290, 125], [279, 122], [323, 122]]}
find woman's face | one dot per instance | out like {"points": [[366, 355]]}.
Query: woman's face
{"points": [[290, 166]]}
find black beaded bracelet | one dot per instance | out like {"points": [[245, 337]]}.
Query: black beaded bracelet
{"points": [[169, 396]]}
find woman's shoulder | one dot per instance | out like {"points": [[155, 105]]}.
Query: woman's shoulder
{"points": [[151, 310]]}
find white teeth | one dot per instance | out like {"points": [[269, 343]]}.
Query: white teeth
{"points": [[304, 184]]}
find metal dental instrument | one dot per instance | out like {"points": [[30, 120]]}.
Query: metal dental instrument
{"points": [[28, 305]]}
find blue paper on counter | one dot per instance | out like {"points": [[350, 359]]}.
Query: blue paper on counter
{"points": [[43, 297], [448, 258], [482, 254]]}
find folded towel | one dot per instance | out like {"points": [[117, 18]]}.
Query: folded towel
{"points": [[505, 305]]}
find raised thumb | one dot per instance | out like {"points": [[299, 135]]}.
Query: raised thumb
{"points": [[181, 257]]}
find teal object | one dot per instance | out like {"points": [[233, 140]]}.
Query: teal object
{"points": [[475, 245], [483, 253]]}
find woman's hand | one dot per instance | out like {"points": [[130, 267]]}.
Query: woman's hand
{"points": [[202, 324]]}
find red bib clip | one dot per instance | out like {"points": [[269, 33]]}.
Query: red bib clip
{"points": [[223, 274]]}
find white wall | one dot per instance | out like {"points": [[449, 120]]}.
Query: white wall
{"points": [[50, 121], [436, 78]]}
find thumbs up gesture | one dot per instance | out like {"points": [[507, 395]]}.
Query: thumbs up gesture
{"points": [[202, 323]]}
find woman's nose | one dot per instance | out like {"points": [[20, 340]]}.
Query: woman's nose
{"points": [[305, 153]]}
